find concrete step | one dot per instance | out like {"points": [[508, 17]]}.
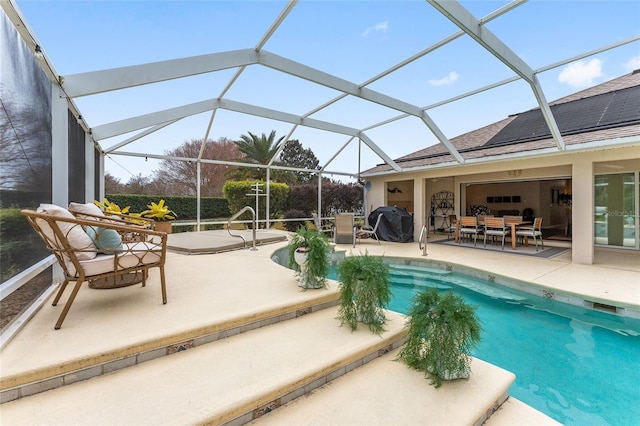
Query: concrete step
{"points": [[53, 363], [514, 412], [230, 381], [387, 392]]}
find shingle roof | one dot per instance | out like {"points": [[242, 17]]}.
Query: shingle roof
{"points": [[511, 133]]}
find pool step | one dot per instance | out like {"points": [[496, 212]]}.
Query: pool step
{"points": [[386, 392], [230, 381], [418, 276], [420, 282], [421, 276]]}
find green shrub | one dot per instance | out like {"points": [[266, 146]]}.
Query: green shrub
{"points": [[235, 192], [294, 214]]}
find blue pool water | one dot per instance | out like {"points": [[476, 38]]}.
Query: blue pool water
{"points": [[579, 366]]}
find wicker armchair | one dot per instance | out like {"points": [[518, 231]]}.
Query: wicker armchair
{"points": [[93, 212], [94, 251]]}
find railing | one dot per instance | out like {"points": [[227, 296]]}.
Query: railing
{"points": [[255, 225], [422, 239]]}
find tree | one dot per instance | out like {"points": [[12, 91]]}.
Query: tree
{"points": [[256, 150], [293, 154], [180, 177], [138, 184], [113, 185]]}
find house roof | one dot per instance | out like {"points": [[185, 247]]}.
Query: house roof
{"points": [[610, 110]]}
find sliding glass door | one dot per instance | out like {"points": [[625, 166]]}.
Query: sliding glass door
{"points": [[616, 210]]}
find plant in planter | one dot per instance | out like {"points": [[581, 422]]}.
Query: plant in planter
{"points": [[110, 207], [161, 214], [364, 291], [443, 329], [309, 254]]}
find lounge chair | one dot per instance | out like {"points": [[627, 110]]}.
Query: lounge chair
{"points": [[367, 231], [95, 251], [317, 221], [345, 230]]}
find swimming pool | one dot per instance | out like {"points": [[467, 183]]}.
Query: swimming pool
{"points": [[577, 365]]}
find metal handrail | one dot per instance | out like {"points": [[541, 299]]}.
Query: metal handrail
{"points": [[424, 232], [255, 225]]}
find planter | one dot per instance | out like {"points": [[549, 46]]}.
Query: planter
{"points": [[309, 255], [364, 292], [443, 330], [163, 227]]}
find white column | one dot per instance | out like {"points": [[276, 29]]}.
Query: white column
{"points": [[582, 211], [59, 149], [419, 192], [198, 186], [59, 159], [89, 169]]}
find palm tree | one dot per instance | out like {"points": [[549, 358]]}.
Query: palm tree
{"points": [[257, 150]]}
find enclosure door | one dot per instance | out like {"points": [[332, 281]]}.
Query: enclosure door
{"points": [[616, 209]]}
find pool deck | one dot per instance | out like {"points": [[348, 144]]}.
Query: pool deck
{"points": [[246, 295]]}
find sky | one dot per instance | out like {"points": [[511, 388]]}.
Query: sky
{"points": [[353, 40]]}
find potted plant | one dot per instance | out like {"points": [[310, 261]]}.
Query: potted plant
{"points": [[442, 331], [364, 291], [161, 214], [309, 253]]}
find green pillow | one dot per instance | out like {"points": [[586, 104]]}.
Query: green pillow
{"points": [[105, 240]]}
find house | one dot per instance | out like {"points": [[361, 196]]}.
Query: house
{"points": [[585, 186]]}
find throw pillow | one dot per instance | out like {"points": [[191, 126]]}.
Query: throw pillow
{"points": [[88, 208], [78, 239], [106, 240]]}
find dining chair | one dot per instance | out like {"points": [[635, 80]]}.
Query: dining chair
{"points": [[534, 231], [495, 226], [469, 226]]}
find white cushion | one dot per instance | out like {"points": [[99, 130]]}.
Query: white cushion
{"points": [[77, 238], [88, 208], [134, 254]]}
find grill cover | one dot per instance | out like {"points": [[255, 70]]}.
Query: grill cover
{"points": [[396, 224]]}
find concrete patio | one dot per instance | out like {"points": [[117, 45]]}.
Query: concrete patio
{"points": [[242, 327]]}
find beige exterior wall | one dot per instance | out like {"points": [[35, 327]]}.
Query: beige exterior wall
{"points": [[577, 169]]}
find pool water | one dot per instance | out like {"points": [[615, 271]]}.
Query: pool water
{"points": [[577, 365]]}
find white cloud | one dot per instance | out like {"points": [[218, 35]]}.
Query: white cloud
{"points": [[451, 78], [581, 73], [633, 64], [379, 27]]}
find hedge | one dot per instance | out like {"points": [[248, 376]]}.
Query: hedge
{"points": [[185, 207]]}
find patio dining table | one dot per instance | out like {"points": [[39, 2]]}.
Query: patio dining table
{"points": [[513, 224]]}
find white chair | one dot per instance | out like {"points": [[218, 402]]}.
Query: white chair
{"points": [[317, 221], [366, 231], [495, 227], [534, 231]]}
